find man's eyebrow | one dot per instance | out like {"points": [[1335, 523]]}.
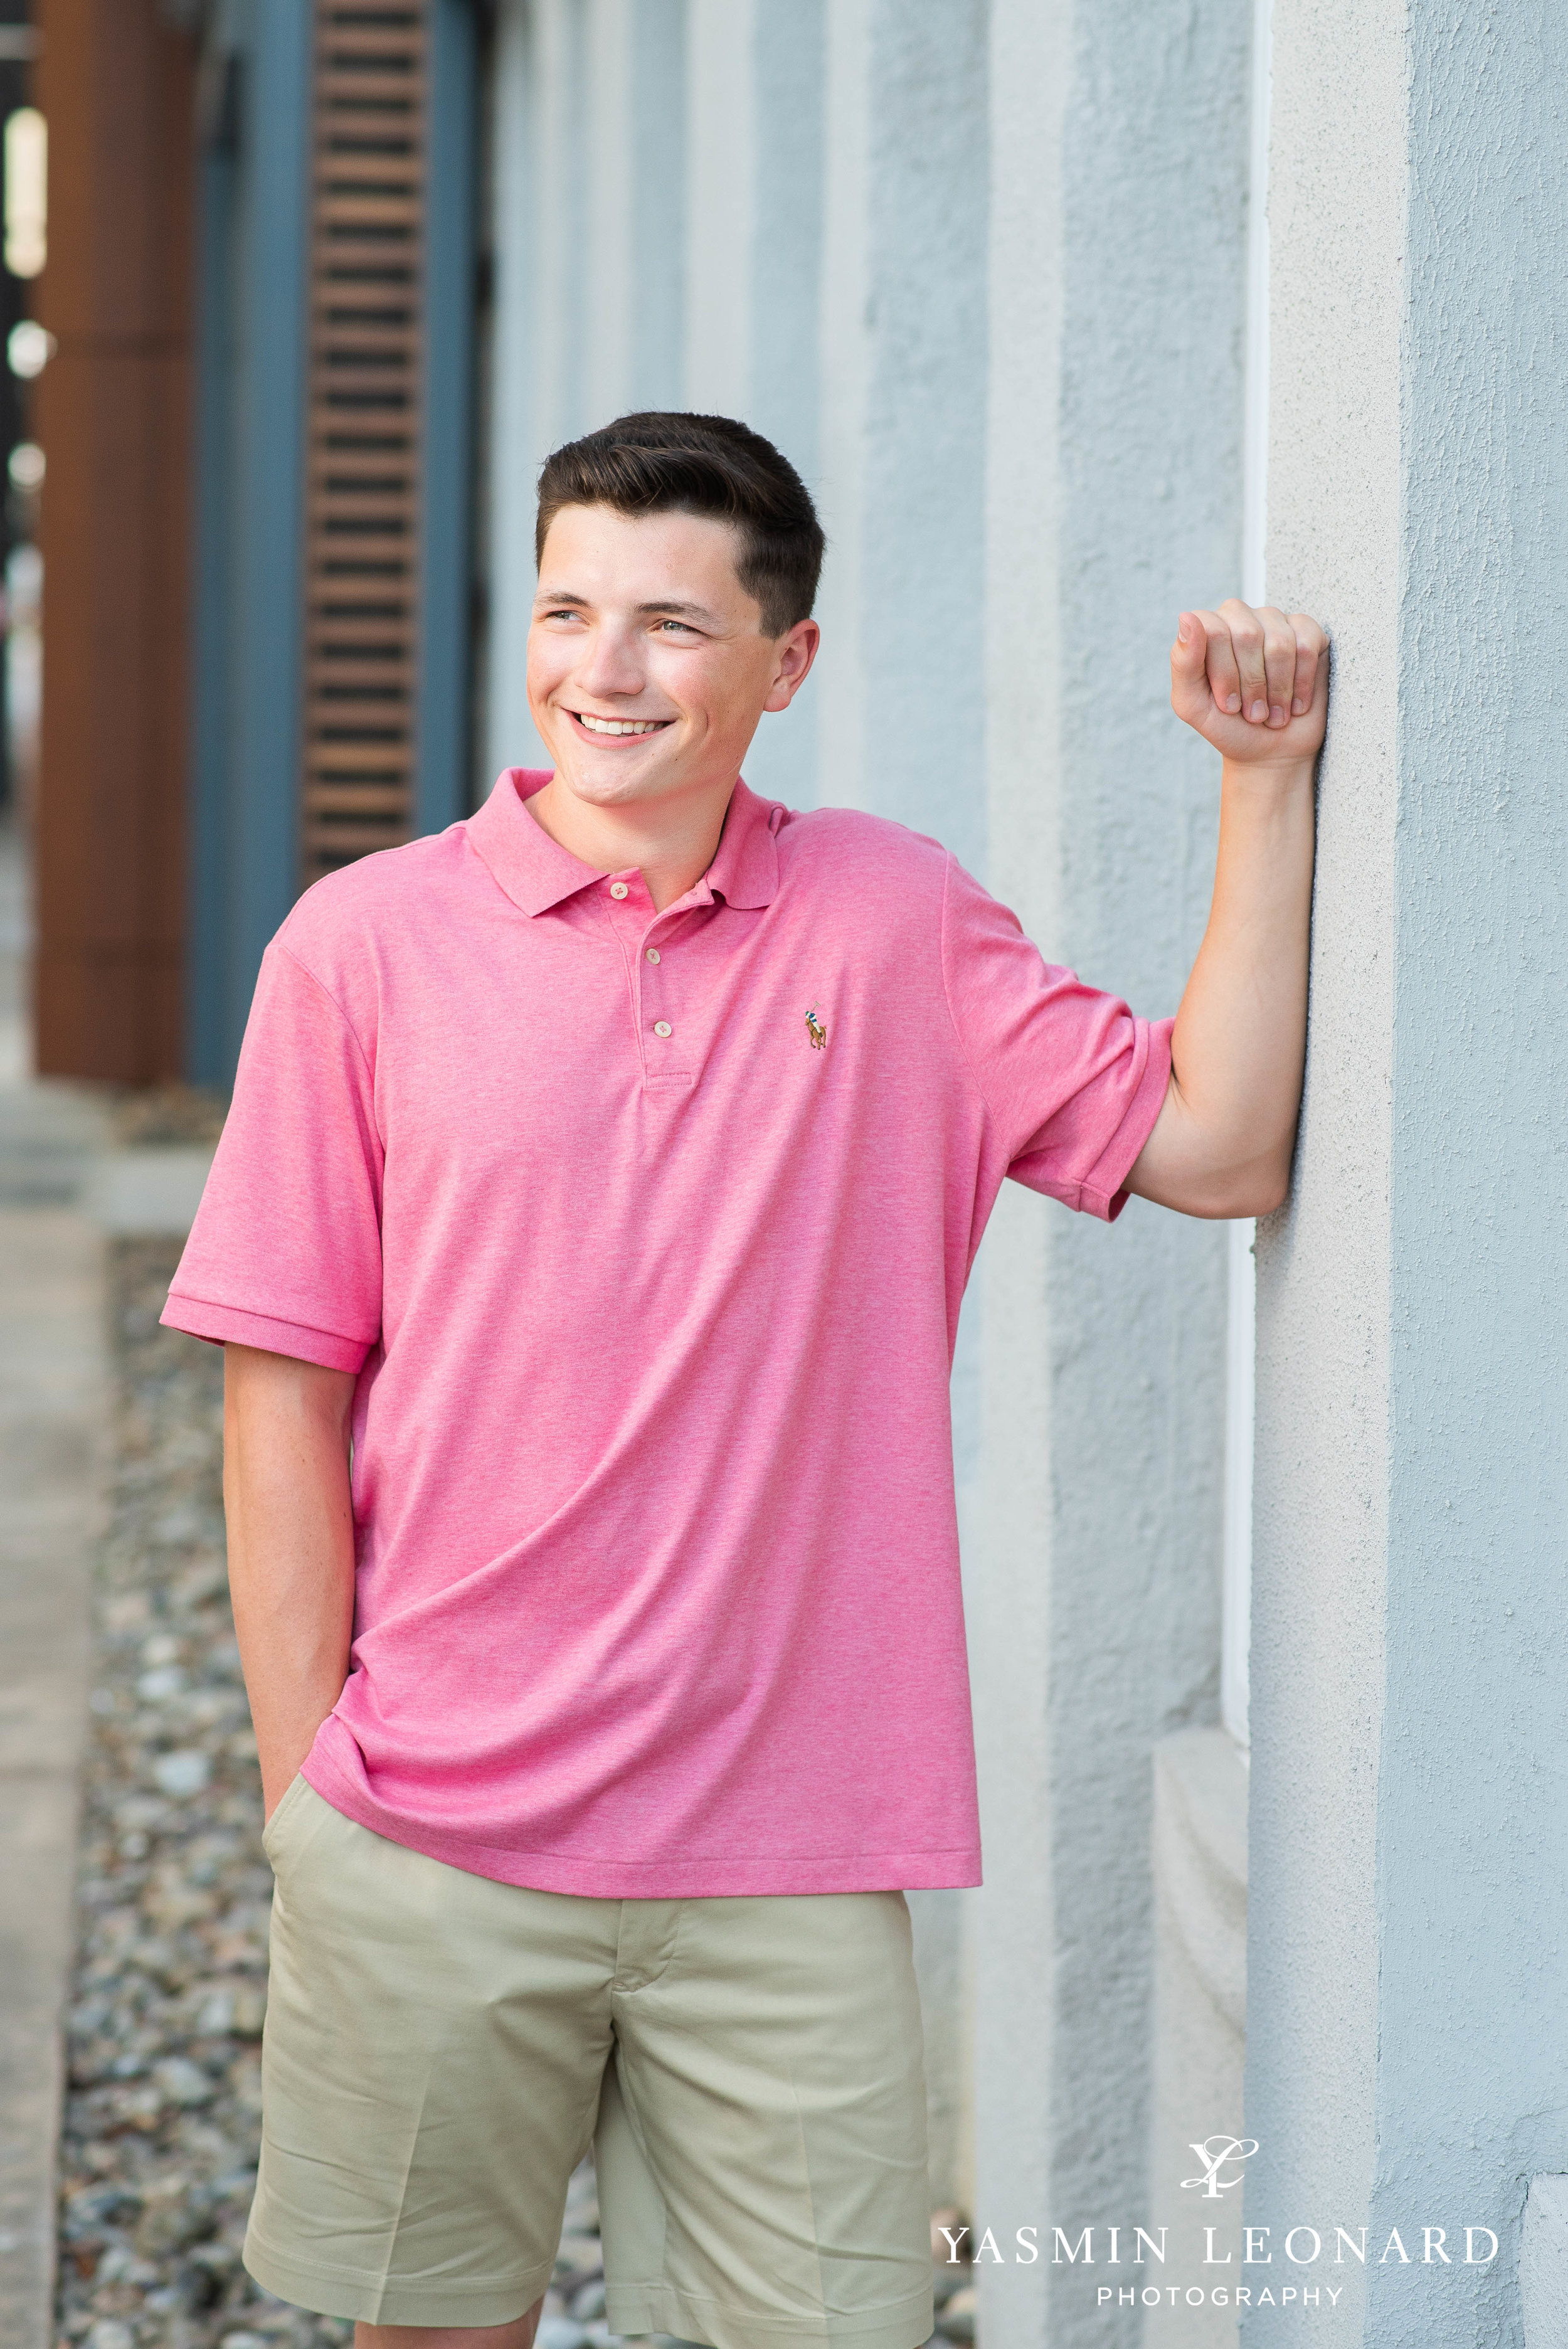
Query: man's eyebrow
{"points": [[677, 610]]}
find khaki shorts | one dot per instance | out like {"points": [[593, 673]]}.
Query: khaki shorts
{"points": [[441, 2050]]}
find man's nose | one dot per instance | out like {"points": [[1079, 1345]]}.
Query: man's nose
{"points": [[611, 665]]}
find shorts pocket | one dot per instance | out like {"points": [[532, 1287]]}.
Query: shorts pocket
{"points": [[289, 1802]]}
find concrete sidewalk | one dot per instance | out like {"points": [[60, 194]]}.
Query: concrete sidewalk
{"points": [[52, 1423], [52, 1395]]}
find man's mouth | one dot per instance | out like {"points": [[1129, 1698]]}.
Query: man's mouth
{"points": [[619, 726]]}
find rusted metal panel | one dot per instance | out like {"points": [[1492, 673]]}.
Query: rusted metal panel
{"points": [[112, 410]]}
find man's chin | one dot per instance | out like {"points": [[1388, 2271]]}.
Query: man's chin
{"points": [[616, 778]]}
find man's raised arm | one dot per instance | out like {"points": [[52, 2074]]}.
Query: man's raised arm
{"points": [[291, 1547], [1255, 684]]}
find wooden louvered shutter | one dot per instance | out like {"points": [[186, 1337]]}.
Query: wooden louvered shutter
{"points": [[363, 424]]}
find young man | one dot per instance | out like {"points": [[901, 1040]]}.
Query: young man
{"points": [[587, 1236]]}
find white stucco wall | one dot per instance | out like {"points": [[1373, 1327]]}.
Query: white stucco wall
{"points": [[902, 682], [1336, 240], [1118, 163], [1199, 2024], [1407, 2062], [753, 266], [587, 223]]}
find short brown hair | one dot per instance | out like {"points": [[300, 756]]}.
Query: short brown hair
{"points": [[676, 463]]}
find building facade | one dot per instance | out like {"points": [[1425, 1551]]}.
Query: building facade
{"points": [[1072, 317]]}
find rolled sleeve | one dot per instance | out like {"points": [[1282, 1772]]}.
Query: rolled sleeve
{"points": [[1072, 1082], [285, 1250]]}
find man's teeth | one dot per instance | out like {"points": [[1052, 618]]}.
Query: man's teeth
{"points": [[620, 725]]}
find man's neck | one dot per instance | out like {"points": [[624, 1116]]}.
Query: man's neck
{"points": [[671, 843]]}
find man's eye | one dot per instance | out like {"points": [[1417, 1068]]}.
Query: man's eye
{"points": [[681, 627]]}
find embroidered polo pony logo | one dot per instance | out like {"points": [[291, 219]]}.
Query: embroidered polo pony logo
{"points": [[817, 1032]]}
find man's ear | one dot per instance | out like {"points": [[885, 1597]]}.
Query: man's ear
{"points": [[793, 655]]}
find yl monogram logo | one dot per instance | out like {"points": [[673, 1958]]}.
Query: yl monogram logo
{"points": [[1213, 2153], [817, 1032]]}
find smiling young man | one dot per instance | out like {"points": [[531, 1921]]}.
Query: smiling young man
{"points": [[587, 1236]]}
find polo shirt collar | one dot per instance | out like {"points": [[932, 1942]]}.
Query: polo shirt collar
{"points": [[745, 869], [537, 873]]}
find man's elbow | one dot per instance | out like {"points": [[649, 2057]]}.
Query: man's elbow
{"points": [[1259, 1189], [1199, 1175], [1266, 1199], [1223, 1193]]}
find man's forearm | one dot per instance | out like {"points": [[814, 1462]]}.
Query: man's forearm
{"points": [[1255, 684], [1240, 1038], [291, 1547]]}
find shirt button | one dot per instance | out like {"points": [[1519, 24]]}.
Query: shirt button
{"points": [[619, 889], [663, 1028], [653, 954]]}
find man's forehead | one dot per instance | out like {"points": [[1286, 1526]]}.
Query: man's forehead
{"points": [[664, 558]]}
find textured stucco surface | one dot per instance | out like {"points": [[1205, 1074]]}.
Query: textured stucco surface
{"points": [[1472, 1845], [1320, 1509], [1543, 2263], [1408, 1970], [1199, 2018], [903, 391], [898, 699], [536, 230], [783, 320], [1119, 140], [589, 210]]}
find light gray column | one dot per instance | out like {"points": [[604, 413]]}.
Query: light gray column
{"points": [[612, 104], [1117, 289], [901, 683], [900, 454], [588, 205], [1407, 2062], [633, 295], [1543, 2263], [790, 56], [721, 203], [902, 446], [1199, 2025], [754, 252], [657, 126], [539, 232]]}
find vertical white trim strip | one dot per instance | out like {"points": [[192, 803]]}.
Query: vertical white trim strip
{"points": [[720, 205], [514, 429], [609, 201], [846, 365], [1255, 425], [1241, 1333]]}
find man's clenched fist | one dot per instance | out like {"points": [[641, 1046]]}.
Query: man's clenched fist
{"points": [[1254, 683]]}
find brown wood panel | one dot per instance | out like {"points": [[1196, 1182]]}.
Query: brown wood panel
{"points": [[112, 410], [352, 764], [362, 500], [357, 799]]}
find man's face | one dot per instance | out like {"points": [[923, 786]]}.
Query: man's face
{"points": [[640, 623]]}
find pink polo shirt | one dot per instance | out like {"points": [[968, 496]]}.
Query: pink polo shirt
{"points": [[645, 1236]]}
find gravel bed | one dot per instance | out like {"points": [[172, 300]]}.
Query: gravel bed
{"points": [[158, 2160], [161, 2119], [153, 1115]]}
